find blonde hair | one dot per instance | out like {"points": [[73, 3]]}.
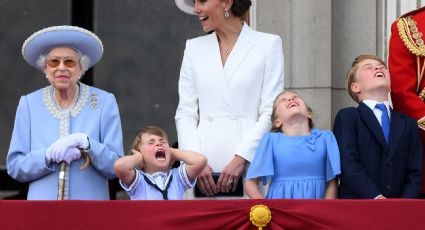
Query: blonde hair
{"points": [[351, 74], [275, 129], [154, 130]]}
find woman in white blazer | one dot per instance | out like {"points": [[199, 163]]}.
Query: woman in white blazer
{"points": [[227, 85]]}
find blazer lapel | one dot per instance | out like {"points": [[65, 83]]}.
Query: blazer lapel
{"points": [[397, 126], [370, 120], [216, 68], [241, 49]]}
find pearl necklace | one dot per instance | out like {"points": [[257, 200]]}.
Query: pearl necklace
{"points": [[74, 99], [56, 111]]}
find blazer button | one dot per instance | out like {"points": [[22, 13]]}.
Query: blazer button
{"points": [[388, 187], [390, 164]]}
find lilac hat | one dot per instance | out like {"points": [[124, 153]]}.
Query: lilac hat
{"points": [[186, 6], [42, 41]]}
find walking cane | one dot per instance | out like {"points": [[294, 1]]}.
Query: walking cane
{"points": [[61, 188], [64, 167]]}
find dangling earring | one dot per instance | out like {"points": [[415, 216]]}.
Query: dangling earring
{"points": [[47, 77], [226, 13]]}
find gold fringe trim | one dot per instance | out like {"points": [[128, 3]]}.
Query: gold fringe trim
{"points": [[412, 39], [405, 26]]}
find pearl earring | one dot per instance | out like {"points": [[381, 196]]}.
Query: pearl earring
{"points": [[226, 13]]}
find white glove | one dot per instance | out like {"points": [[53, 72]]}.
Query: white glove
{"points": [[70, 155], [79, 140], [58, 150]]}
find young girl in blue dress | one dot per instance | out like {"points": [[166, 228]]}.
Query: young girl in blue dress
{"points": [[302, 162]]}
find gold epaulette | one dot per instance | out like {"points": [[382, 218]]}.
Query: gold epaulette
{"points": [[411, 36]]}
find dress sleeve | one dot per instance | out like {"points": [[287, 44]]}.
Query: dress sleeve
{"points": [[262, 164], [109, 148], [23, 163], [187, 117], [273, 84], [333, 164]]}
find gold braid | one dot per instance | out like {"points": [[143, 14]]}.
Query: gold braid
{"points": [[412, 39]]}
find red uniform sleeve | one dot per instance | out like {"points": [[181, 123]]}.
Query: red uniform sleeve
{"points": [[404, 80], [403, 70]]}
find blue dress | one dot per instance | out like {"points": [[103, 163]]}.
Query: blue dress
{"points": [[298, 166]]}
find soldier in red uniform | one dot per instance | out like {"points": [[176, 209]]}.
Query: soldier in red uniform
{"points": [[407, 66]]}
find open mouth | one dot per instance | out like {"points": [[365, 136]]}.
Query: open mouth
{"points": [[292, 104], [203, 18], [379, 74], [160, 155]]}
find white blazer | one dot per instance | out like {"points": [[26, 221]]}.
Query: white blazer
{"points": [[225, 111]]}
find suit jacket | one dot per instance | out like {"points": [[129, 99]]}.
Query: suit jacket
{"points": [[224, 111], [369, 165], [405, 58], [39, 123]]}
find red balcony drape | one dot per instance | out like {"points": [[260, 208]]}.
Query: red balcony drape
{"points": [[213, 214]]}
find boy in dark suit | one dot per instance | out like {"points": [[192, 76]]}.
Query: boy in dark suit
{"points": [[381, 151]]}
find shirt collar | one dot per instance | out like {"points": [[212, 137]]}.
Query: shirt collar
{"points": [[371, 104], [159, 178]]}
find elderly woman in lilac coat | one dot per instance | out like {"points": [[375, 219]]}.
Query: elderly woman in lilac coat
{"points": [[67, 135]]}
